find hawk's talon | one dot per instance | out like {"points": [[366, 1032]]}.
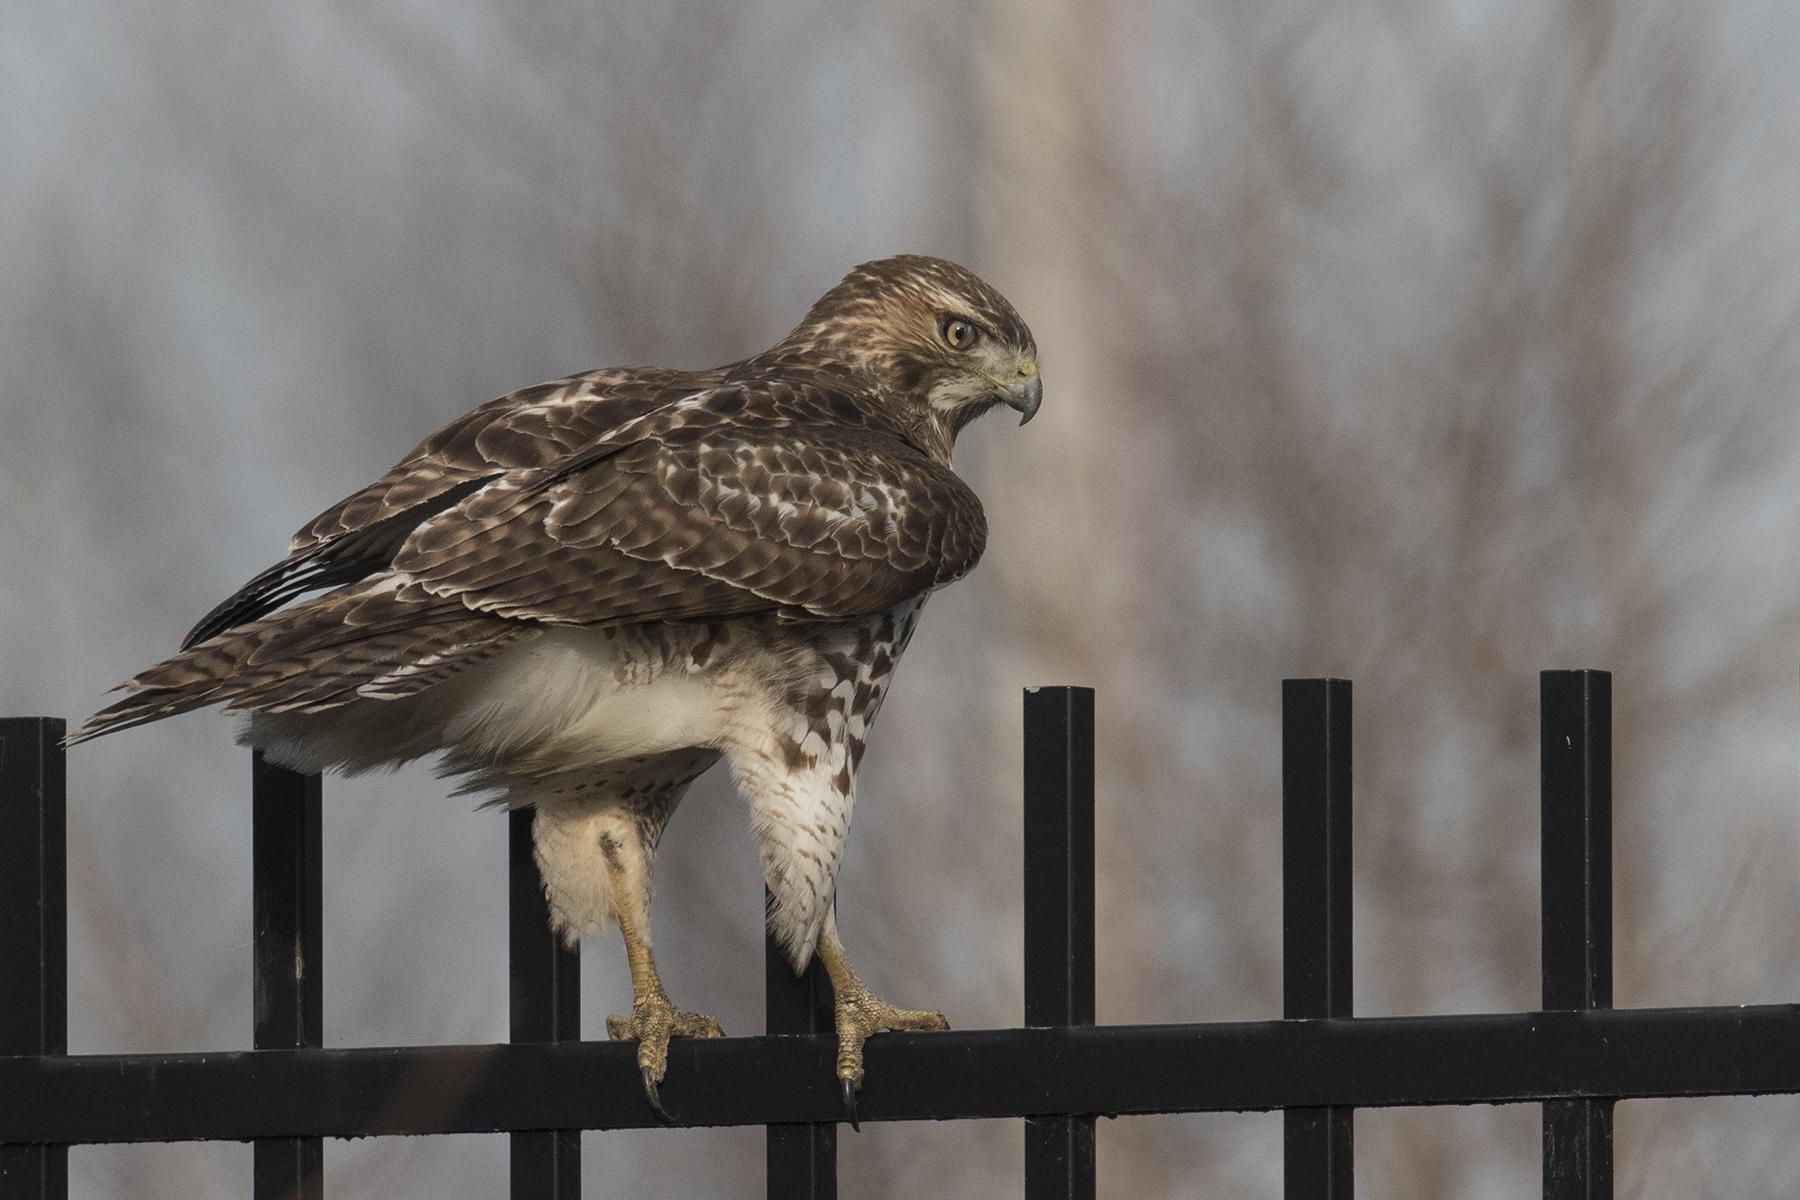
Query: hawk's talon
{"points": [[860, 1014], [656, 1103], [849, 1086], [653, 1021]]}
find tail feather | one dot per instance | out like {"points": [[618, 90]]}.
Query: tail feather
{"points": [[366, 641]]}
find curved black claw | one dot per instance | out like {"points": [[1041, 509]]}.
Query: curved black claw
{"points": [[655, 1100], [849, 1086]]}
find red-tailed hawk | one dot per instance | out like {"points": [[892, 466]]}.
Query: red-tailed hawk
{"points": [[586, 593]]}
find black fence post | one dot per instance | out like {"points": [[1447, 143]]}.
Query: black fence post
{"points": [[1315, 913], [287, 881], [1575, 748], [1059, 916], [34, 972], [801, 1159], [544, 1006]]}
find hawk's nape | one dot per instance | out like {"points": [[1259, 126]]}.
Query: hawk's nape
{"points": [[584, 594]]}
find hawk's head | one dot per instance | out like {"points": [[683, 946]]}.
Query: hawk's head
{"points": [[930, 333]]}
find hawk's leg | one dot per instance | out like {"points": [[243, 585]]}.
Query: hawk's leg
{"points": [[653, 1020], [859, 1014]]}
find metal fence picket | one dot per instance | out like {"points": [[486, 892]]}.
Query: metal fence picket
{"points": [[34, 922], [1575, 848], [800, 1158], [544, 1005], [1059, 917], [287, 882], [1315, 912]]}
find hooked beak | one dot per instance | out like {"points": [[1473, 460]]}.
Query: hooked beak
{"points": [[1025, 392]]}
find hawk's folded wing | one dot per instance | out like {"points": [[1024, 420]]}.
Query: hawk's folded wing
{"points": [[533, 427], [808, 519], [782, 497]]}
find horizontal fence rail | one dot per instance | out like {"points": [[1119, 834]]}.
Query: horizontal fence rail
{"points": [[1363, 1062], [1577, 1057]]}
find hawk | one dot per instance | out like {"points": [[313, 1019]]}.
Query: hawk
{"points": [[585, 594]]}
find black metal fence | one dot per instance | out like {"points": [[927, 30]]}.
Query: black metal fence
{"points": [[1058, 1072]]}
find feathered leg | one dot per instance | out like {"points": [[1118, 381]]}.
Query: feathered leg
{"points": [[859, 1014], [595, 840], [653, 1020]]}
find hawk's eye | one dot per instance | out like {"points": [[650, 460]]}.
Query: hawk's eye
{"points": [[958, 333]]}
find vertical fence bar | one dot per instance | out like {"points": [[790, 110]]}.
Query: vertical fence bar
{"points": [[801, 1158], [1059, 916], [1575, 712], [287, 882], [545, 1006], [1315, 913], [34, 974]]}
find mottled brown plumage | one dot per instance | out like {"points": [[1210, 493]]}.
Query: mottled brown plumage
{"points": [[586, 592]]}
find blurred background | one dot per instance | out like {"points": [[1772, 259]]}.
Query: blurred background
{"points": [[1426, 344]]}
